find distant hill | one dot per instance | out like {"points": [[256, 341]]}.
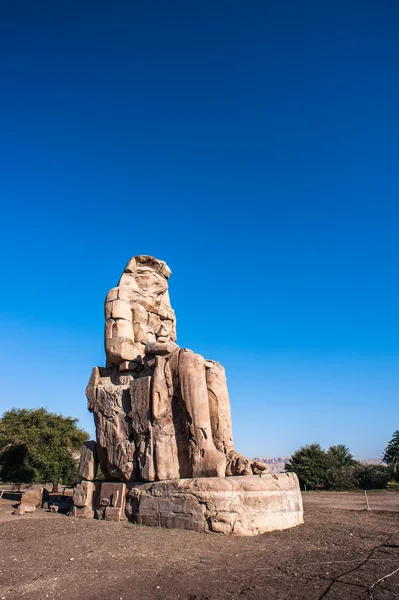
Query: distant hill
{"points": [[277, 464]]}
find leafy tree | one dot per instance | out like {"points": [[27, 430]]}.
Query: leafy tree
{"points": [[310, 463], [340, 456], [341, 478], [336, 469], [372, 477], [37, 446], [391, 455]]}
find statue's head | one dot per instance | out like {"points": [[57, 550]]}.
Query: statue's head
{"points": [[148, 275], [138, 311]]}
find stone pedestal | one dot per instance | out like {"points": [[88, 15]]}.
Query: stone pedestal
{"points": [[249, 505]]}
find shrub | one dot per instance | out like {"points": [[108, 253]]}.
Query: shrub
{"points": [[310, 463], [37, 446], [369, 477], [341, 478]]}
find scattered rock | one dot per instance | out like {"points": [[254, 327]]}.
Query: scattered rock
{"points": [[112, 513], [24, 508], [33, 496], [85, 512]]}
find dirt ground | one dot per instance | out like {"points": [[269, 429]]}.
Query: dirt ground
{"points": [[354, 501], [338, 553]]}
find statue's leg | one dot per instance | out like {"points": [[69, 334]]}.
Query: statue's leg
{"points": [[166, 456], [219, 406], [206, 460]]}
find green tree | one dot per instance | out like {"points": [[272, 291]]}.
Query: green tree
{"points": [[341, 478], [391, 454], [372, 477], [340, 456], [310, 463], [37, 446], [340, 474]]}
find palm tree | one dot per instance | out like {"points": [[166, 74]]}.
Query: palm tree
{"points": [[341, 455], [391, 455]]}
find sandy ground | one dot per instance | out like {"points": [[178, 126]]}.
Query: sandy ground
{"points": [[388, 501], [336, 554]]}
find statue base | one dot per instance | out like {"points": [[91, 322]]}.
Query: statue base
{"points": [[249, 505]]}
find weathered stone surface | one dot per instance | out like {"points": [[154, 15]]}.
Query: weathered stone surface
{"points": [[23, 508], [219, 406], [82, 512], [99, 513], [33, 496], [131, 365], [112, 513], [88, 463], [120, 349], [134, 309], [206, 460], [178, 421], [162, 414], [83, 494], [140, 403], [115, 449], [112, 495], [232, 506]]}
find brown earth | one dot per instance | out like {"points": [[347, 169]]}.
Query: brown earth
{"points": [[337, 554]]}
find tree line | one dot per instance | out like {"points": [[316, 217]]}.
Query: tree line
{"points": [[336, 468], [37, 446]]}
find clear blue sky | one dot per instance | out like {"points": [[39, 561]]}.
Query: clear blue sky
{"points": [[251, 145]]}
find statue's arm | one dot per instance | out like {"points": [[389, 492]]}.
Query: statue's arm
{"points": [[119, 332]]}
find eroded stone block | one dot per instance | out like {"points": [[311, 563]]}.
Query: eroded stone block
{"points": [[88, 463], [83, 494], [112, 513], [23, 508], [139, 391], [82, 512], [33, 496], [114, 492]]}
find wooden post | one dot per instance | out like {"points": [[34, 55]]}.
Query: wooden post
{"points": [[367, 500]]}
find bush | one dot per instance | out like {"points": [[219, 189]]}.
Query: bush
{"points": [[341, 478], [37, 446], [310, 463], [372, 477], [336, 469]]}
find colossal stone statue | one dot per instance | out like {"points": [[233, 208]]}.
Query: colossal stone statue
{"points": [[161, 412], [163, 426]]}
